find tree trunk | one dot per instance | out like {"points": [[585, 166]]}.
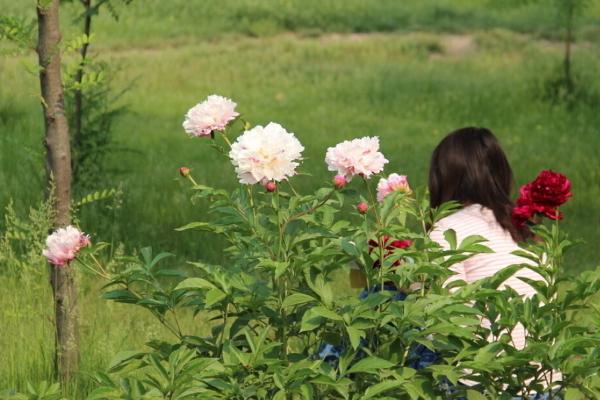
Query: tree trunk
{"points": [[58, 168]]}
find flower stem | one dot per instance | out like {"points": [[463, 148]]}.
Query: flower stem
{"points": [[292, 187], [226, 139], [192, 180]]}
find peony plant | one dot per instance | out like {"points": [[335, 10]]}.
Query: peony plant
{"points": [[279, 319]]}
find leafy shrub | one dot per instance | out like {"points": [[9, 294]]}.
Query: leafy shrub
{"points": [[264, 316]]}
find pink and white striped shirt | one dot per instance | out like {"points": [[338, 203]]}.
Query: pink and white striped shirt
{"points": [[478, 220]]}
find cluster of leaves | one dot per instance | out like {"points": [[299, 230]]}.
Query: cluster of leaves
{"points": [[263, 318], [43, 391]]}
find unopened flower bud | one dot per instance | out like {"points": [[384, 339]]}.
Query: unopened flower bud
{"points": [[362, 207], [339, 181], [184, 171], [270, 186]]}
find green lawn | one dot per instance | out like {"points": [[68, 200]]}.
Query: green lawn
{"points": [[408, 72]]}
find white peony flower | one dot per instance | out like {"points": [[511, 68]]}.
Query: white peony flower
{"points": [[62, 245], [213, 114], [356, 157], [267, 153]]}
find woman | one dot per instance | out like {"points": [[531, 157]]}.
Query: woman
{"points": [[470, 167]]}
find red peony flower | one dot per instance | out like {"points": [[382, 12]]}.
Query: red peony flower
{"points": [[390, 247], [543, 196], [548, 189]]}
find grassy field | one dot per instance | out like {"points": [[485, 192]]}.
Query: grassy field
{"points": [[408, 72]]}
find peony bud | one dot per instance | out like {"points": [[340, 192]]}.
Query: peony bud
{"points": [[362, 207], [184, 171], [270, 186], [339, 181]]}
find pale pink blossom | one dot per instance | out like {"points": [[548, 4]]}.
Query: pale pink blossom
{"points": [[264, 154], [393, 183], [62, 245], [213, 114], [356, 157]]}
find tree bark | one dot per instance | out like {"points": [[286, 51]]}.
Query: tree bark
{"points": [[58, 168]]}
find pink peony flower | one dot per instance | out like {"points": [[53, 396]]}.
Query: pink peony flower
{"points": [[356, 157], [62, 245], [393, 183], [264, 154], [213, 114], [362, 207], [339, 181]]}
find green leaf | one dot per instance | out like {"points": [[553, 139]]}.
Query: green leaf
{"points": [[450, 236], [281, 268], [501, 276], [121, 296], [195, 283], [326, 313], [574, 394], [380, 388], [350, 248], [96, 196], [474, 395], [355, 335], [214, 296], [203, 226], [297, 299], [471, 240], [310, 321], [370, 365], [122, 359]]}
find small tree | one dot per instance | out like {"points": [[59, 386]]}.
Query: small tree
{"points": [[568, 10], [58, 166], [89, 99]]}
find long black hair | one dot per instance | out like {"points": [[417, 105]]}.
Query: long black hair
{"points": [[470, 167]]}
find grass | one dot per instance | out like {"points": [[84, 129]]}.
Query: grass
{"points": [[143, 23], [409, 88]]}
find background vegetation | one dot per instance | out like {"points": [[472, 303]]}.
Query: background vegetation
{"points": [[327, 70]]}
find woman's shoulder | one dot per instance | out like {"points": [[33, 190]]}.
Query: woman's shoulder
{"points": [[472, 214], [473, 219]]}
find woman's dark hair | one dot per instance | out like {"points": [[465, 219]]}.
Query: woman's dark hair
{"points": [[470, 167]]}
